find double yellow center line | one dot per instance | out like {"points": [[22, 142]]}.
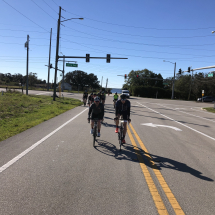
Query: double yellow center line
{"points": [[152, 187]]}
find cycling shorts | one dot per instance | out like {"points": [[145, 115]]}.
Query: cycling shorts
{"points": [[124, 116]]}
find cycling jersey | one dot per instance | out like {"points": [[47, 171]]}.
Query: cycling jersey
{"points": [[115, 97], [85, 95], [123, 109], [97, 112], [102, 97]]}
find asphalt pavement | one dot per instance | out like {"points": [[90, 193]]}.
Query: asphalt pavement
{"points": [[165, 167]]}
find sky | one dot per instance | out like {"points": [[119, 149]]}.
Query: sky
{"points": [[144, 31]]}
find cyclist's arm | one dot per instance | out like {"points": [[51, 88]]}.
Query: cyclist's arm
{"points": [[103, 111], [116, 109], [129, 109]]}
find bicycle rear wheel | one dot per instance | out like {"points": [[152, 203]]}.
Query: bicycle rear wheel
{"points": [[94, 136]]}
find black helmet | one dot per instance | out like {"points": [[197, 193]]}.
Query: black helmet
{"points": [[115, 92], [123, 96]]}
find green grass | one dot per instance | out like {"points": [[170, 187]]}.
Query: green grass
{"points": [[19, 112], [210, 109]]}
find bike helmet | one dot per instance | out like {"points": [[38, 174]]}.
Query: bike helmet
{"points": [[115, 92], [123, 96], [97, 99]]}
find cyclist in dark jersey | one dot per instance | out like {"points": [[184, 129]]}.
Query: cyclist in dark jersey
{"points": [[89, 99], [96, 111], [102, 98], [123, 108]]}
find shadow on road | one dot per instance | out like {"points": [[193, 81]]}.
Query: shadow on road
{"points": [[110, 149], [158, 162], [154, 161]]}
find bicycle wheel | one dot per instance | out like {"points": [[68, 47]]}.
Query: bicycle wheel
{"points": [[121, 136], [94, 136]]}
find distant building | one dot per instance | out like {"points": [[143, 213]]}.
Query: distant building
{"points": [[66, 86]]}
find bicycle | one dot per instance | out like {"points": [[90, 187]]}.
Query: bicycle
{"points": [[95, 130], [84, 101], [121, 131]]}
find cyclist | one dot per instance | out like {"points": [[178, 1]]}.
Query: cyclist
{"points": [[90, 99], [123, 107], [115, 98], [85, 95], [103, 98], [97, 111]]}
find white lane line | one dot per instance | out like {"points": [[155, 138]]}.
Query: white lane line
{"points": [[42, 93], [187, 113], [178, 122], [203, 111], [11, 162]]}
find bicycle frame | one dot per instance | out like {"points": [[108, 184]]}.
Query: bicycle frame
{"points": [[121, 131]]}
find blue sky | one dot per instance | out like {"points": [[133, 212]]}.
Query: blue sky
{"points": [[145, 31]]}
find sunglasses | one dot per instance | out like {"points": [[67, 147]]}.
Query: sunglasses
{"points": [[123, 99]]}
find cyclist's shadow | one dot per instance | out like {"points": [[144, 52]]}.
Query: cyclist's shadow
{"points": [[107, 148]]}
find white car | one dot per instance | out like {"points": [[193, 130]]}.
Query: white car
{"points": [[126, 92]]}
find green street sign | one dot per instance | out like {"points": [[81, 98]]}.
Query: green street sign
{"points": [[165, 83], [211, 75], [72, 64]]}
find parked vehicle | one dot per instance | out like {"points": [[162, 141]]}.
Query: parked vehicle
{"points": [[126, 92], [206, 99]]}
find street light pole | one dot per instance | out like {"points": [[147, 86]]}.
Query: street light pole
{"points": [[49, 58], [173, 85], [57, 50]]}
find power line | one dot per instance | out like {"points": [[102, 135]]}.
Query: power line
{"points": [[141, 27], [141, 35], [43, 10], [50, 6], [23, 14], [146, 44]]}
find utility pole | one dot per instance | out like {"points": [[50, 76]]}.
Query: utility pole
{"points": [[106, 84], [57, 50], [191, 80], [101, 81], [63, 73], [49, 58], [173, 86], [27, 45]]}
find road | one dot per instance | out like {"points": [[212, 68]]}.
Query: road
{"points": [[165, 167]]}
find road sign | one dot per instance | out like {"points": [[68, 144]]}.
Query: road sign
{"points": [[210, 75], [165, 83], [72, 64]]}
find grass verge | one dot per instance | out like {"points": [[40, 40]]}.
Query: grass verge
{"points": [[210, 109], [19, 112]]}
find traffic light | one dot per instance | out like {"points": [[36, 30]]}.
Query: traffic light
{"points": [[108, 58], [188, 69], [179, 71], [50, 66], [125, 76], [87, 57], [137, 76]]}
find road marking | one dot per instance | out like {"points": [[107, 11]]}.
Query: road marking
{"points": [[175, 205], [188, 113], [152, 188], [155, 125], [178, 122], [14, 160], [41, 93]]}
